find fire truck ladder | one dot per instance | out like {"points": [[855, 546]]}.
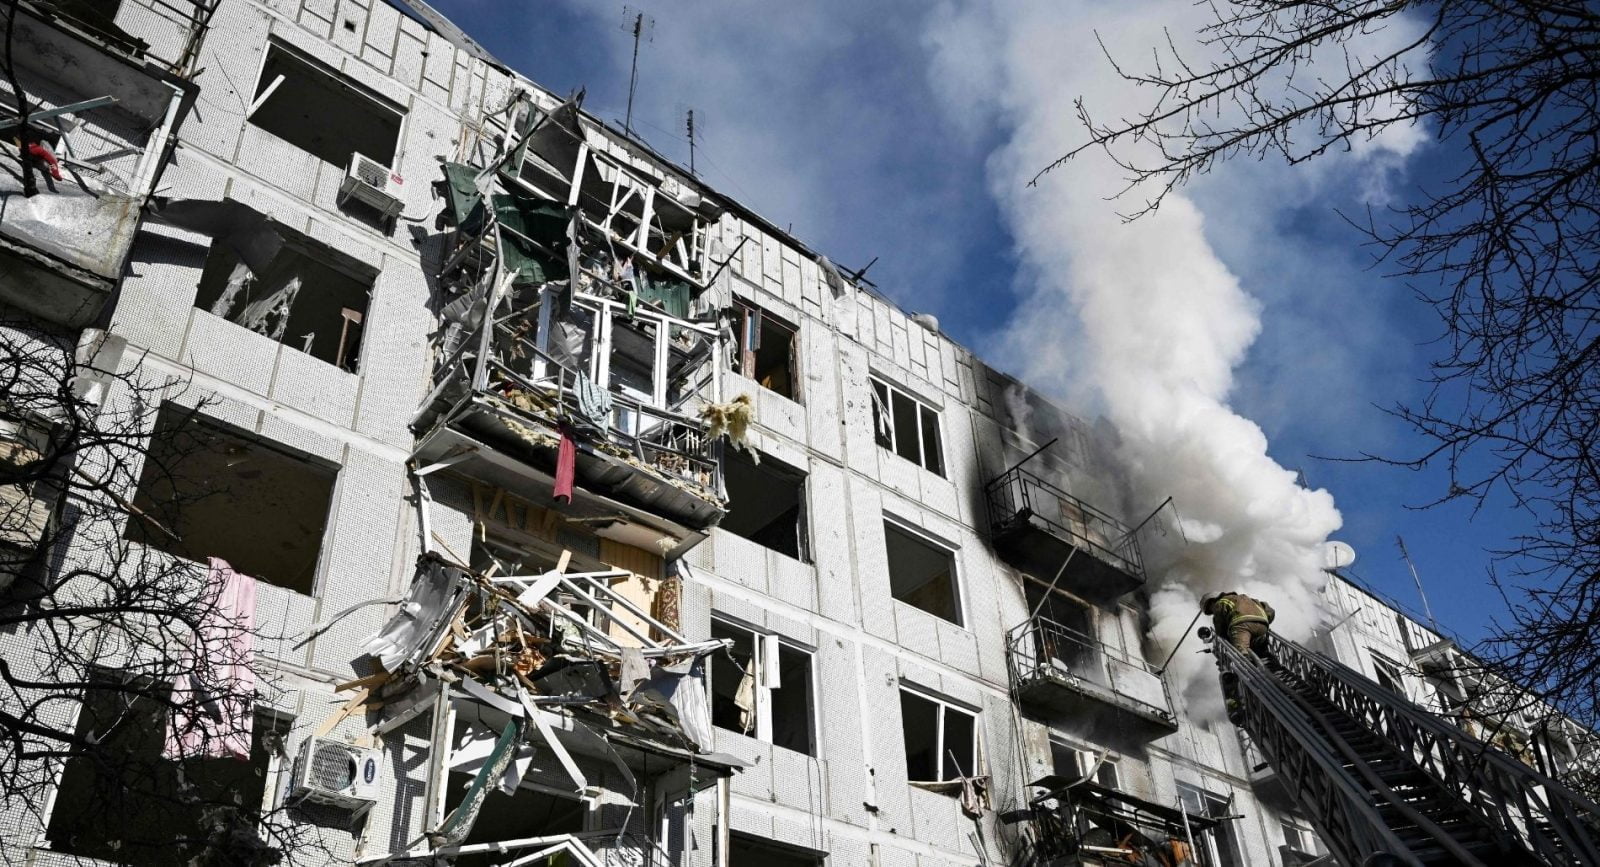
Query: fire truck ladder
{"points": [[1386, 782]]}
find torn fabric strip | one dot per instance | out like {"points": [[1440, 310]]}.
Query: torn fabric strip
{"points": [[214, 695]]}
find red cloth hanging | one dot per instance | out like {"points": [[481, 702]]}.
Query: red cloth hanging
{"points": [[41, 152], [566, 466]]}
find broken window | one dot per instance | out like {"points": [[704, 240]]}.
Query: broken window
{"points": [[1388, 674], [941, 739], [1219, 848], [206, 491], [921, 573], [767, 349], [297, 292], [747, 851], [761, 688], [906, 426], [529, 812], [766, 503], [1065, 760], [315, 108], [131, 805]]}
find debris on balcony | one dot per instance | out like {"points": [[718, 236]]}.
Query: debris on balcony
{"points": [[1082, 822], [581, 341], [536, 653]]}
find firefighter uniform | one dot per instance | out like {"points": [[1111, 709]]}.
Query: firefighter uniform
{"points": [[1242, 619]]}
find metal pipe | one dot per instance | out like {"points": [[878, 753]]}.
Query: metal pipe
{"points": [[1031, 455], [1181, 639]]}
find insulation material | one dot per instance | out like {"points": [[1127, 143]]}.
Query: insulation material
{"points": [[731, 419]]}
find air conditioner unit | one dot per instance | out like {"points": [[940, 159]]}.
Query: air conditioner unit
{"points": [[333, 772], [373, 184]]}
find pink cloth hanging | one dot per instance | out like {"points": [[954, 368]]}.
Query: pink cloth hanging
{"points": [[219, 726], [566, 467]]}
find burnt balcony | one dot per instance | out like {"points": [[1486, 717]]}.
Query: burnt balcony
{"points": [[1036, 527], [1060, 672], [102, 114], [1082, 824]]}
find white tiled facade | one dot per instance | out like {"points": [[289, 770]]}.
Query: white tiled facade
{"points": [[851, 800]]}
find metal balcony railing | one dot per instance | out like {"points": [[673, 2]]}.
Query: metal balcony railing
{"points": [[1020, 497], [664, 440], [1046, 657]]}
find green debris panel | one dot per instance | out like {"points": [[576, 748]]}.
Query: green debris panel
{"points": [[533, 231], [669, 294]]}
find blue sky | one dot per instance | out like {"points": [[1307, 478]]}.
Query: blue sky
{"points": [[892, 130]]}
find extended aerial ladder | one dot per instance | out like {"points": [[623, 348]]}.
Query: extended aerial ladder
{"points": [[1387, 782]]}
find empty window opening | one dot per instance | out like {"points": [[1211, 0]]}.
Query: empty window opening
{"points": [[1063, 629], [305, 295], [318, 110], [131, 805], [762, 688], [527, 813], [906, 426], [766, 503], [223, 495], [747, 851], [941, 739], [1065, 761], [767, 350], [1220, 847], [922, 574]]}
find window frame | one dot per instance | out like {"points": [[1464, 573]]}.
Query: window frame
{"points": [[1214, 852], [803, 552], [920, 535], [744, 359], [945, 706], [339, 78], [762, 643], [883, 408]]}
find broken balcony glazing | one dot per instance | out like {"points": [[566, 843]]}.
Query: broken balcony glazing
{"points": [[577, 351], [102, 113], [1061, 672], [1044, 531], [1079, 822]]}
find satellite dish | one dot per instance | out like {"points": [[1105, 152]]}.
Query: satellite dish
{"points": [[1337, 555]]}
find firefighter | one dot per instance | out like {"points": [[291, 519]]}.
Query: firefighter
{"points": [[1241, 619]]}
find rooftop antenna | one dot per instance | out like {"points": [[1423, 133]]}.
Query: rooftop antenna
{"points": [[643, 27], [1405, 555], [689, 123]]}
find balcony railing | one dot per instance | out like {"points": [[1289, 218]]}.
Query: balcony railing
{"points": [[103, 106], [1060, 670], [1036, 526]]}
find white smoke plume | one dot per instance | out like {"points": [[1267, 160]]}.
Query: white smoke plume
{"points": [[1144, 313]]}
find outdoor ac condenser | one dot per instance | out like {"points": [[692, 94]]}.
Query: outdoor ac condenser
{"points": [[338, 774], [373, 184]]}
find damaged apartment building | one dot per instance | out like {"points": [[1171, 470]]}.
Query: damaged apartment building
{"points": [[589, 516]]}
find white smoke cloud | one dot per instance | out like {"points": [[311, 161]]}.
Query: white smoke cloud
{"points": [[1142, 316]]}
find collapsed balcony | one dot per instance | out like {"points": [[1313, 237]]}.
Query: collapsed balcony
{"points": [[102, 116], [1045, 531], [1062, 672], [550, 682], [1073, 823], [591, 373]]}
